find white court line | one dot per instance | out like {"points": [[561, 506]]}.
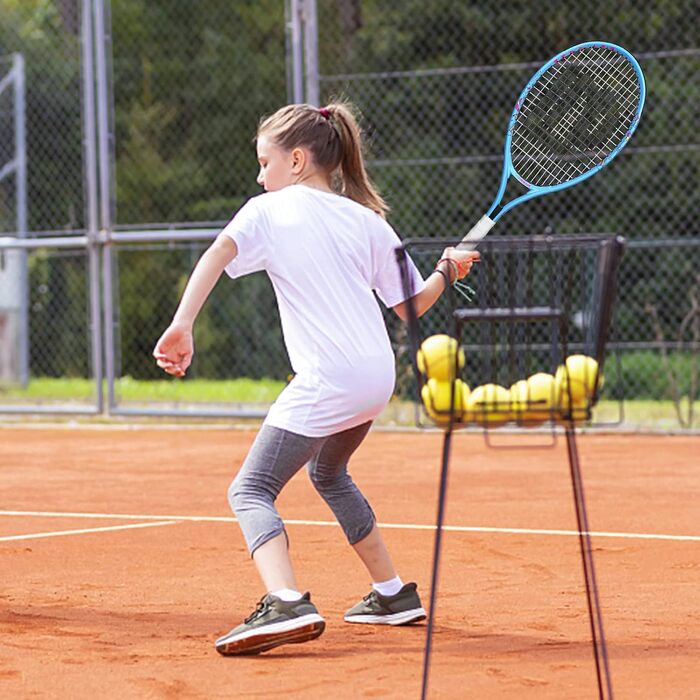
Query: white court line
{"points": [[60, 533], [387, 526]]}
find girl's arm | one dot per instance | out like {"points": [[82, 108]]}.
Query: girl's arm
{"points": [[453, 265], [174, 349]]}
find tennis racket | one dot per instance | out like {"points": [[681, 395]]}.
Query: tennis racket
{"points": [[574, 116]]}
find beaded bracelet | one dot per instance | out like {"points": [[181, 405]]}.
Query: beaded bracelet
{"points": [[462, 267], [452, 262]]}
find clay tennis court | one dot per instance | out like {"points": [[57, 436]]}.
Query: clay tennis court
{"points": [[121, 565]]}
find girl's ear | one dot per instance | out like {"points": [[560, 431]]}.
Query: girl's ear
{"points": [[298, 160]]}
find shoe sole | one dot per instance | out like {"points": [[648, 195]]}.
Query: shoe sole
{"points": [[297, 631], [401, 618]]}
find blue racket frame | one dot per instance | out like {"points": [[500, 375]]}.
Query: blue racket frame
{"points": [[534, 190]]}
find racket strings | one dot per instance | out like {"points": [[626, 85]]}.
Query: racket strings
{"points": [[575, 115], [574, 129], [540, 134], [578, 135]]}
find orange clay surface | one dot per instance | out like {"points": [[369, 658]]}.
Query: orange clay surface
{"points": [[133, 613]]}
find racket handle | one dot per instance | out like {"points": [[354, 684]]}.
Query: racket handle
{"points": [[479, 231]]}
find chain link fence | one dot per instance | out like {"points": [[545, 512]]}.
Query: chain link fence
{"points": [[435, 84], [47, 38], [190, 82]]}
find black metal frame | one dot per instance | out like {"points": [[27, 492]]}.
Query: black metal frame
{"points": [[608, 255]]}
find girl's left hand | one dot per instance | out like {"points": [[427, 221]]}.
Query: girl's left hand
{"points": [[174, 350]]}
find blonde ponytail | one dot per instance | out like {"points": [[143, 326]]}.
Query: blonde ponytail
{"points": [[355, 182]]}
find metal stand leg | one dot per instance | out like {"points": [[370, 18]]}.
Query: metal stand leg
{"points": [[436, 557], [594, 615]]}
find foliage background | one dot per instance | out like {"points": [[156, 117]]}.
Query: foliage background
{"points": [[435, 83]]}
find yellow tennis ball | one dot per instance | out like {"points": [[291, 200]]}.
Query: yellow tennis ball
{"points": [[439, 357], [542, 393], [519, 397], [489, 405], [576, 380], [575, 383], [575, 413], [533, 399], [437, 399]]}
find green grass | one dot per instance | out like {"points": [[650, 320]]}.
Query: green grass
{"points": [[208, 390], [645, 412], [167, 390], [637, 412], [49, 389]]}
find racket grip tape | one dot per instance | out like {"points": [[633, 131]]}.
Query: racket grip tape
{"points": [[479, 231]]}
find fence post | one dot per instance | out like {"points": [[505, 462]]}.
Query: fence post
{"points": [[21, 194], [14, 282], [295, 65], [90, 155], [311, 52], [302, 51], [102, 38]]}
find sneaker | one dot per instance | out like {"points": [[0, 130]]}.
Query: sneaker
{"points": [[273, 622], [398, 609]]}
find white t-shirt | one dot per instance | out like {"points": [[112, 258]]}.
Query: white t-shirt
{"points": [[325, 254]]}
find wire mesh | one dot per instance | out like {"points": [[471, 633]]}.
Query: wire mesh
{"points": [[237, 335], [534, 336], [48, 37], [435, 83], [60, 335]]}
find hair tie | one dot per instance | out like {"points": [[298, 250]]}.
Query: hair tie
{"points": [[324, 113]]}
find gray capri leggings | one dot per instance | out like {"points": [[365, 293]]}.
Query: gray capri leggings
{"points": [[275, 457]]}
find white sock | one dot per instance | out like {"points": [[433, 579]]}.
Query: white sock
{"points": [[286, 594], [390, 587]]}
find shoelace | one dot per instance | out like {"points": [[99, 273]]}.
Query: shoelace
{"points": [[260, 609], [370, 597]]}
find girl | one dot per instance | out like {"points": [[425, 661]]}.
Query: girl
{"points": [[319, 233]]}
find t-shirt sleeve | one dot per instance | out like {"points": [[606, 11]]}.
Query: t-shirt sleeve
{"points": [[387, 282], [249, 233]]}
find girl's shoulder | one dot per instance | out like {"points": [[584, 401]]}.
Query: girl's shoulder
{"points": [[302, 199], [272, 200]]}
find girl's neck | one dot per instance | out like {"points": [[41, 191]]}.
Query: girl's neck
{"points": [[315, 181]]}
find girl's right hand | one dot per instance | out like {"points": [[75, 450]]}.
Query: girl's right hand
{"points": [[458, 263], [174, 350]]}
